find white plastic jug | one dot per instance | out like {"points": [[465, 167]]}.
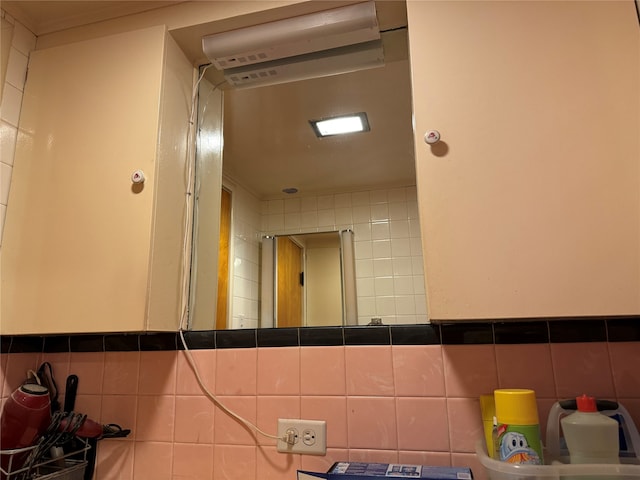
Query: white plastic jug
{"points": [[591, 436]]}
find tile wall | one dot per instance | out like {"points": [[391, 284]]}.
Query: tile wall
{"points": [[388, 248], [388, 394], [22, 43]]}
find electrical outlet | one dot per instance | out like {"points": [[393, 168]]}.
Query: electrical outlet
{"points": [[307, 437]]}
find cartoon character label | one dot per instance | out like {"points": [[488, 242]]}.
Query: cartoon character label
{"points": [[519, 444]]}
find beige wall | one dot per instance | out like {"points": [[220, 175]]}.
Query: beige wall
{"points": [[85, 249], [531, 205]]}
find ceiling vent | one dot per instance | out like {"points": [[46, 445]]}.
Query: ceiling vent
{"points": [[306, 46]]}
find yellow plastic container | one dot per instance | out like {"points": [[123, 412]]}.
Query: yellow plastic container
{"points": [[488, 411], [518, 427]]}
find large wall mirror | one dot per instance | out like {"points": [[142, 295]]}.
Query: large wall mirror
{"points": [[261, 171]]}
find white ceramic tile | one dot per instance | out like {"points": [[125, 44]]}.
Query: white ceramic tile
{"points": [[402, 266], [407, 319], [383, 286], [401, 247], [379, 230], [417, 265], [399, 228], [405, 305], [308, 219], [360, 198], [364, 268], [382, 267], [363, 250], [386, 305], [403, 285], [275, 207], [309, 204], [419, 286], [326, 218], [23, 40], [8, 135], [344, 216], [398, 211], [366, 307], [11, 103], [17, 69], [3, 215], [361, 213], [397, 195], [416, 246], [342, 200], [414, 228], [381, 248], [5, 182], [362, 231], [379, 212], [421, 304], [292, 205], [378, 196], [412, 209], [275, 223], [292, 221], [365, 287], [325, 202]]}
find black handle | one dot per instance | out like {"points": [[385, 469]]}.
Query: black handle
{"points": [[601, 405], [71, 389]]}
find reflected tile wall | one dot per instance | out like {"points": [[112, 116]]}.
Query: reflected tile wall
{"points": [[22, 43], [388, 248]]}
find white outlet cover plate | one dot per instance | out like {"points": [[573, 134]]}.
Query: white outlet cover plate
{"points": [[310, 436]]}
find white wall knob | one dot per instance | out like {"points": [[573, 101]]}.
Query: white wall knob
{"points": [[138, 176], [432, 136]]}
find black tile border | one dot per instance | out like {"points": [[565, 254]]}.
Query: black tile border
{"points": [[322, 337], [467, 333], [503, 331], [521, 332], [577, 331], [367, 335], [415, 335], [122, 342], [278, 337]]}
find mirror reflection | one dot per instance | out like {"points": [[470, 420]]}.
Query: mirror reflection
{"points": [[262, 171], [308, 280]]}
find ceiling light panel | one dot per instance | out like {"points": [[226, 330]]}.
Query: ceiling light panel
{"points": [[340, 125]]}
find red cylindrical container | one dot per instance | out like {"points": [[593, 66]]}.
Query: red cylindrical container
{"points": [[25, 417]]}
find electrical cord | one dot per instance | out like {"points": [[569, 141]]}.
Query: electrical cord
{"points": [[217, 401], [189, 216]]}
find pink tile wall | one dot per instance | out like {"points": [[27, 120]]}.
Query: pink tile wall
{"points": [[414, 404]]}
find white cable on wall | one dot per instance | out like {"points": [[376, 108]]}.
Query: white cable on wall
{"points": [[189, 201]]}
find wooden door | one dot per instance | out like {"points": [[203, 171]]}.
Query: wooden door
{"points": [[289, 287], [223, 260]]}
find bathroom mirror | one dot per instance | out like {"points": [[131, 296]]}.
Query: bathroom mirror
{"points": [[259, 158]]}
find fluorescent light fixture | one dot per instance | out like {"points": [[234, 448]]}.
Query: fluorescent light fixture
{"points": [[312, 65], [352, 123], [294, 36]]}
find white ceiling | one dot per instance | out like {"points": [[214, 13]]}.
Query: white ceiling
{"points": [[268, 143]]}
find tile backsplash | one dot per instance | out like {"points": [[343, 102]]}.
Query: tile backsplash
{"points": [[388, 394]]}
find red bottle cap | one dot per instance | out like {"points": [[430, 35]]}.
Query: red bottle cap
{"points": [[586, 404]]}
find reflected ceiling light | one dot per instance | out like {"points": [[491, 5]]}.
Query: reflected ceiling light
{"points": [[352, 123]]}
